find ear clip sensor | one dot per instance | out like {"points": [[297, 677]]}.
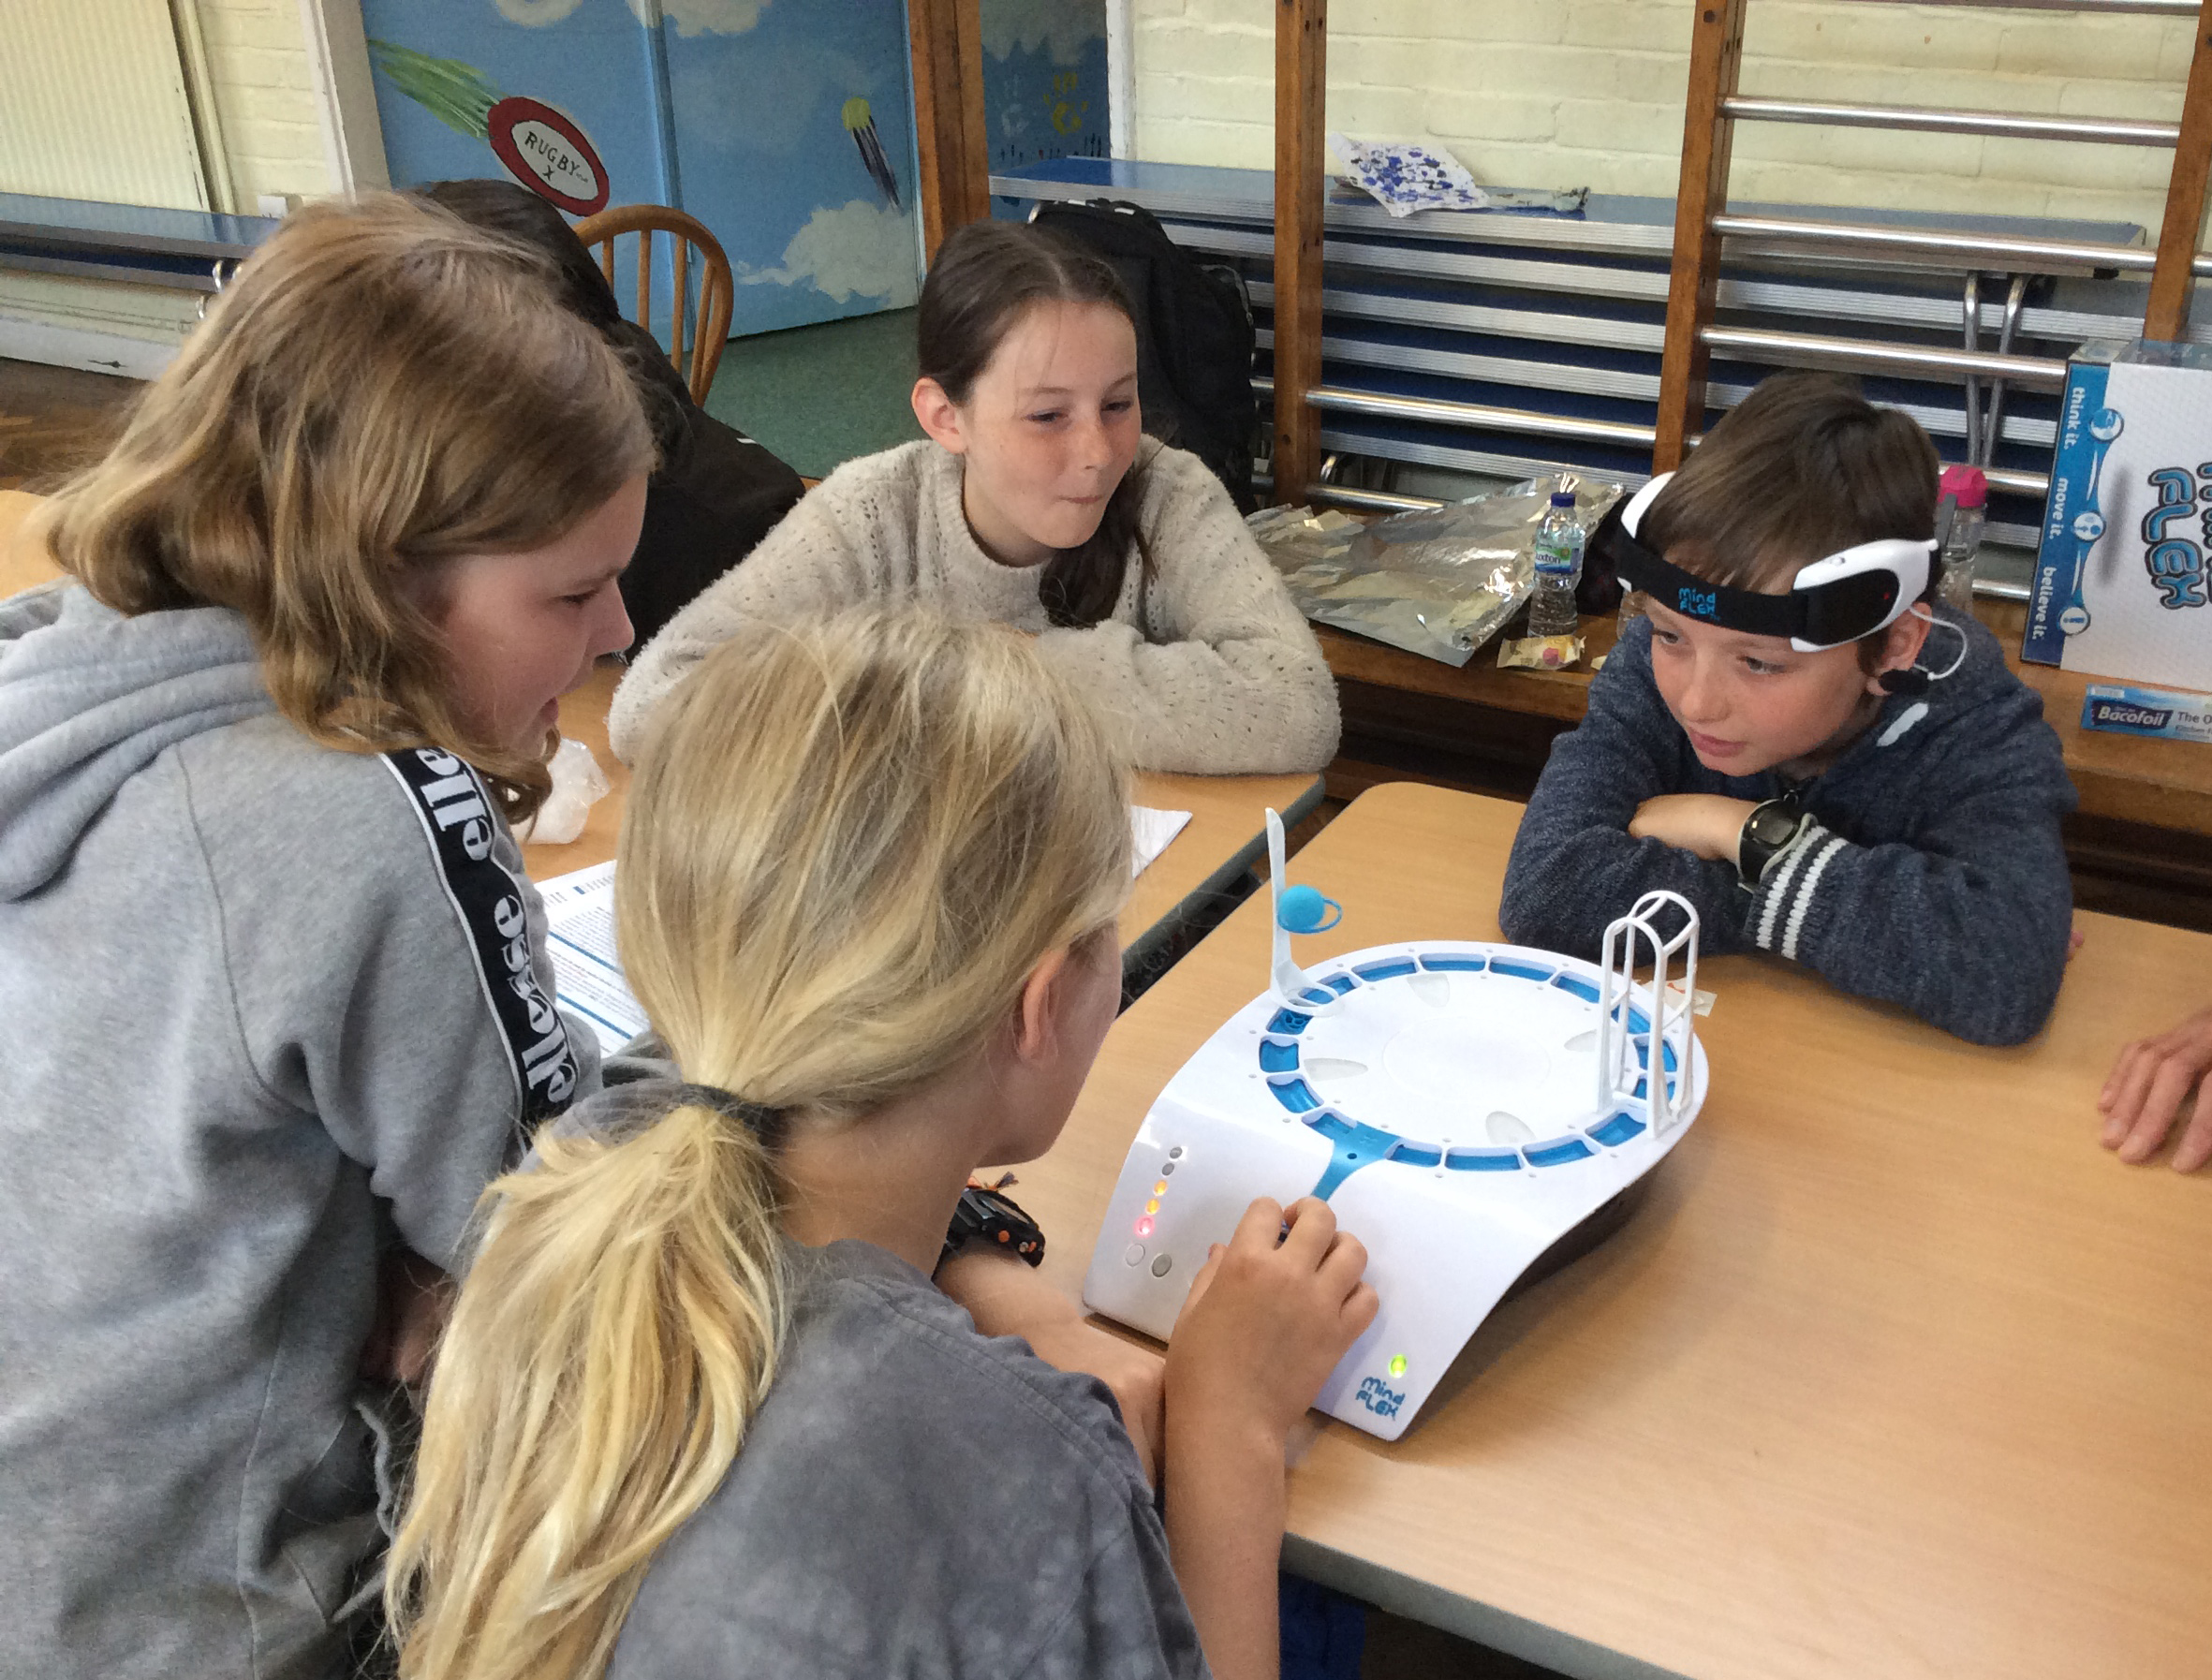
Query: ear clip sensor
{"points": [[1917, 679]]}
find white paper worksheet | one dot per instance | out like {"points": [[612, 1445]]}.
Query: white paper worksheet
{"points": [[1152, 830], [579, 929]]}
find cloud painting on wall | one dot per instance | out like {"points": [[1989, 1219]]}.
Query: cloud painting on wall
{"points": [[702, 17], [855, 250], [1057, 28], [536, 14], [690, 17]]}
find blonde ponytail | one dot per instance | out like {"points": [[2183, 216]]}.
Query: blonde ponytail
{"points": [[846, 849], [638, 1283]]}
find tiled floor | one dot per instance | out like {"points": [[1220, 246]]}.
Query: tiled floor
{"points": [[816, 396]]}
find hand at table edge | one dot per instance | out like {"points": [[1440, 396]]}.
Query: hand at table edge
{"points": [[2154, 1083], [1269, 1316]]}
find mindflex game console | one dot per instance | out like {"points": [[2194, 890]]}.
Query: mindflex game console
{"points": [[1466, 1109]]}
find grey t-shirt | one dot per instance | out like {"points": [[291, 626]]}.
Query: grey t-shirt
{"points": [[915, 1499]]}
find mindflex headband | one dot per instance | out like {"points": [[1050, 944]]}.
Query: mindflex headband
{"points": [[1833, 601]]}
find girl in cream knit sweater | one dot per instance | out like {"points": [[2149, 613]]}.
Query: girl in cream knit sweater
{"points": [[1036, 501]]}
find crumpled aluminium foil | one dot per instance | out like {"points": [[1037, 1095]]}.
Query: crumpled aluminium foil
{"points": [[1438, 581]]}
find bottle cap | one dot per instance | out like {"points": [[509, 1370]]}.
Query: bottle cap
{"points": [[1967, 486], [1562, 498]]}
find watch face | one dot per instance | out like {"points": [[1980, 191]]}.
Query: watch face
{"points": [[1773, 825]]}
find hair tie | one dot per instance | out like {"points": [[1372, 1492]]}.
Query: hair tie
{"points": [[764, 1123]]}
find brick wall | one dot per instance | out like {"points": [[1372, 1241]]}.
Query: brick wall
{"points": [[1575, 92], [257, 55], [265, 98]]}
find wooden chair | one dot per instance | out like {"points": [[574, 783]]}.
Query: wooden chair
{"points": [[710, 329]]}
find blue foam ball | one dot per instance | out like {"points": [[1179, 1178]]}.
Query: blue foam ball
{"points": [[1302, 909]]}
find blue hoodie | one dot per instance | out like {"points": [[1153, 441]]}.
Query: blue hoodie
{"points": [[1932, 875], [265, 1009]]}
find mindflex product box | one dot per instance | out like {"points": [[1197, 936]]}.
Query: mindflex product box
{"points": [[2120, 584]]}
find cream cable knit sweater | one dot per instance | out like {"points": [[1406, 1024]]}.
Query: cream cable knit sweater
{"points": [[1216, 675]]}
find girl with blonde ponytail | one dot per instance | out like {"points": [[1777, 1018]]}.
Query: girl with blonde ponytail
{"points": [[700, 1409]]}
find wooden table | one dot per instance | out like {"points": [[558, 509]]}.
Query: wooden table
{"points": [[22, 562], [1227, 830], [1896, 1371], [2137, 844]]}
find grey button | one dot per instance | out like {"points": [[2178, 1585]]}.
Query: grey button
{"points": [[1159, 1266], [1134, 1253], [1175, 1154], [1166, 1168]]}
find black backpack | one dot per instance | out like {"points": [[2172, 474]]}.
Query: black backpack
{"points": [[1194, 336], [714, 494]]}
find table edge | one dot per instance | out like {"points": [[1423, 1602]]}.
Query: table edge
{"points": [[1150, 940]]}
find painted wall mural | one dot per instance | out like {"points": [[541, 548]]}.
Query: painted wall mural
{"points": [[785, 125], [1044, 79]]}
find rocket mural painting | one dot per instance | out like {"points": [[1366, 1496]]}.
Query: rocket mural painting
{"points": [[860, 124], [540, 146]]}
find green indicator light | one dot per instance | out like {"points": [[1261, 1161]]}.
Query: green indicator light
{"points": [[1398, 1364]]}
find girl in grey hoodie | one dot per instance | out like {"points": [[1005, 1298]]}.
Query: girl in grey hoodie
{"points": [[275, 1004]]}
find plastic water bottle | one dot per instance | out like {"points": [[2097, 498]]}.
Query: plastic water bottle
{"points": [[1966, 499], [1559, 568]]}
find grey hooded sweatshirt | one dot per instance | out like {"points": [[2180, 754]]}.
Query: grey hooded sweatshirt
{"points": [[264, 1008]]}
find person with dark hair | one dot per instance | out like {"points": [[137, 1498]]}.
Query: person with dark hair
{"points": [[1036, 500], [716, 492], [1825, 760]]}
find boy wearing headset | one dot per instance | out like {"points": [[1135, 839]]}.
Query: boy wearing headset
{"points": [[1797, 738]]}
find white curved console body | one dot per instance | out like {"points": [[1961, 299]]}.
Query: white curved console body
{"points": [[1462, 1107]]}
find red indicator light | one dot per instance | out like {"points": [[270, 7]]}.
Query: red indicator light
{"points": [[1145, 1227]]}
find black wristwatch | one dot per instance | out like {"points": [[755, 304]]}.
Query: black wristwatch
{"points": [[1768, 831], [985, 1217]]}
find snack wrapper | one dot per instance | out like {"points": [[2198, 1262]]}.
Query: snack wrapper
{"points": [[1540, 653], [578, 783]]}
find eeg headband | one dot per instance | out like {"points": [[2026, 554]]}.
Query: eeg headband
{"points": [[1833, 601]]}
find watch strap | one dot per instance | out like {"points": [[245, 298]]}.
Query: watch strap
{"points": [[983, 1216], [1754, 856]]}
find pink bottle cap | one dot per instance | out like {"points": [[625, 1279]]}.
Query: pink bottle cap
{"points": [[1967, 486]]}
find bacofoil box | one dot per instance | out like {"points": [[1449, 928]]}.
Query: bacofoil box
{"points": [[2134, 711], [2120, 584]]}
